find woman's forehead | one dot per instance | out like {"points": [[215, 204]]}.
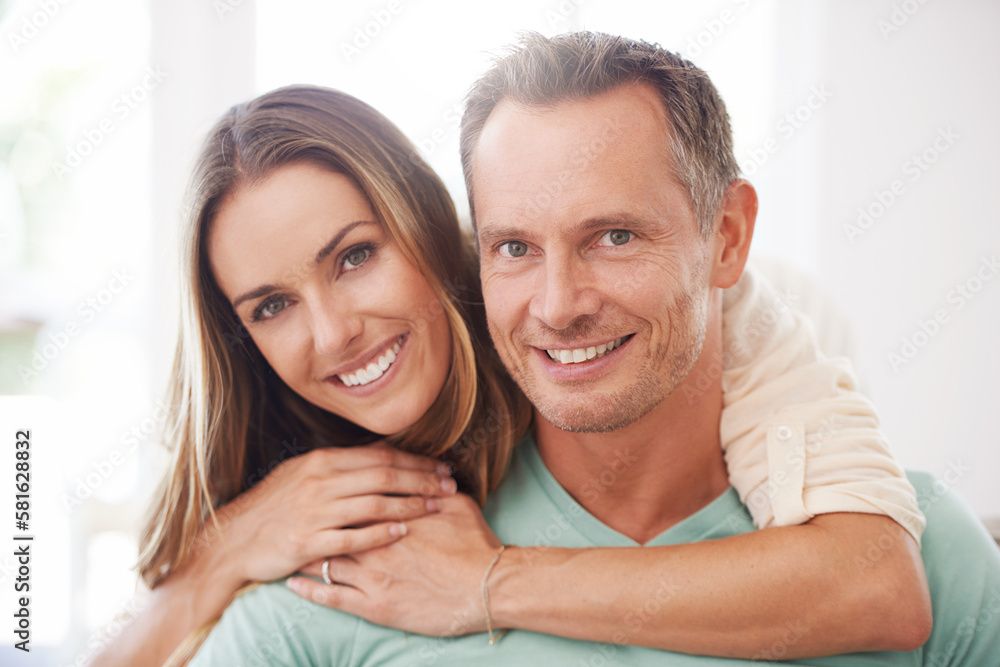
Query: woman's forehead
{"points": [[282, 223]]}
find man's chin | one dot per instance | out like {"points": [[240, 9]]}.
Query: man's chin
{"points": [[598, 414]]}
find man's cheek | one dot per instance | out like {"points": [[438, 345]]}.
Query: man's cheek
{"points": [[633, 282], [506, 297]]}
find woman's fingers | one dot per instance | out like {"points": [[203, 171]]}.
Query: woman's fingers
{"points": [[361, 510], [370, 456], [336, 597], [385, 479], [343, 541]]}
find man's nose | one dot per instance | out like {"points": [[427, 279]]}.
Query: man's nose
{"points": [[565, 291], [334, 325]]}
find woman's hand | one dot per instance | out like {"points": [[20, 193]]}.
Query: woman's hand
{"points": [[428, 583], [328, 502]]}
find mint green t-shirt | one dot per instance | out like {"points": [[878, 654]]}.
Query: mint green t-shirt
{"points": [[270, 625]]}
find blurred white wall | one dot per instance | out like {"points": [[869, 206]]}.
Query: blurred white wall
{"points": [[914, 109]]}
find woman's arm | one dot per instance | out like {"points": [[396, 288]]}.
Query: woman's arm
{"points": [[326, 502], [840, 583], [799, 439]]}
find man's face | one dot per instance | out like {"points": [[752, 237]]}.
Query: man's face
{"points": [[595, 276]]}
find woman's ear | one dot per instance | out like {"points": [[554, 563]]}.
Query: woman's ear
{"points": [[733, 233]]}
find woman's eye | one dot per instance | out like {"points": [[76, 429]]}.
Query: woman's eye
{"points": [[269, 308], [355, 257], [616, 237], [514, 249]]}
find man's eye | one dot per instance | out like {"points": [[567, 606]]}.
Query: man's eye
{"points": [[514, 249], [616, 237], [269, 308]]}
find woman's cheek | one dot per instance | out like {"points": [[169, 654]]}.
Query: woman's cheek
{"points": [[286, 351]]}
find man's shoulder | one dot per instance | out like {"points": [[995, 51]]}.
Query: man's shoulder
{"points": [[963, 571], [951, 523]]}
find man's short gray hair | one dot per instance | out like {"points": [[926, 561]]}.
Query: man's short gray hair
{"points": [[543, 71]]}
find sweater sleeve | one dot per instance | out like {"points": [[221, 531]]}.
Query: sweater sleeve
{"points": [[799, 438]]}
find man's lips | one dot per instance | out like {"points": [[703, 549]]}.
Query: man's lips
{"points": [[588, 368], [584, 351]]}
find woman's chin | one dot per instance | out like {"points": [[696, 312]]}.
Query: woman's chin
{"points": [[381, 427], [380, 421]]}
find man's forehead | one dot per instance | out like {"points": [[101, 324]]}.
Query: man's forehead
{"points": [[581, 128], [581, 153]]}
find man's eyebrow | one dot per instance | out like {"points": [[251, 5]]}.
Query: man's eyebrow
{"points": [[615, 221], [489, 236], [324, 252]]}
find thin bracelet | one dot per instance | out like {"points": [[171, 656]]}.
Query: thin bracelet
{"points": [[494, 638]]}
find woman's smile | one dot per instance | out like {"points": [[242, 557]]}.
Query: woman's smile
{"points": [[375, 369]]}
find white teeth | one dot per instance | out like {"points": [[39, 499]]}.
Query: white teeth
{"points": [[583, 353], [373, 370]]}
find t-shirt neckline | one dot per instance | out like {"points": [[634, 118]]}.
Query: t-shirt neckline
{"points": [[691, 529]]}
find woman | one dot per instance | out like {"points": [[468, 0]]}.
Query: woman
{"points": [[328, 297]]}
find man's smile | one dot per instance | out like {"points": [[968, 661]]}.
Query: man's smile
{"points": [[585, 353]]}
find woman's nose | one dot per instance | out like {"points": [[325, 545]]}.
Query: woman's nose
{"points": [[334, 325]]}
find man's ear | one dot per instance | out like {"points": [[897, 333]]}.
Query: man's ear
{"points": [[733, 233]]}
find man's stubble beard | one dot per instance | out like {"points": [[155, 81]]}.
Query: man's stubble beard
{"points": [[665, 370]]}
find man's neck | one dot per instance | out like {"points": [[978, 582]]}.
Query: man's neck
{"points": [[646, 477]]}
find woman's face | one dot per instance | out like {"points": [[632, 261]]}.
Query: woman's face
{"points": [[328, 297]]}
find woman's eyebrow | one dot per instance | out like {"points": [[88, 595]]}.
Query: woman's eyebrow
{"points": [[253, 294], [324, 252], [335, 241]]}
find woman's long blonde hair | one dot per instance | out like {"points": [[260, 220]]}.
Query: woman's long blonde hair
{"points": [[232, 419]]}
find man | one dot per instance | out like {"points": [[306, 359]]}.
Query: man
{"points": [[610, 220]]}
